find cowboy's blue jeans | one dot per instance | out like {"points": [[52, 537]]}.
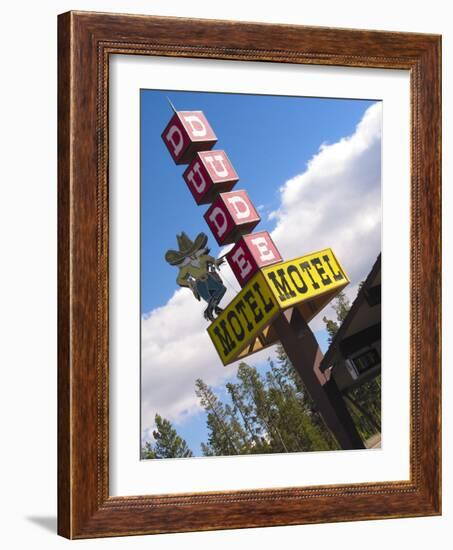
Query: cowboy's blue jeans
{"points": [[211, 289]]}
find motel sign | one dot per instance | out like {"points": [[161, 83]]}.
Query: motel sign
{"points": [[307, 283], [278, 298]]}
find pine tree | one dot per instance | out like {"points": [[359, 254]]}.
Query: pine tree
{"points": [[268, 414], [341, 306], [226, 435], [238, 433], [364, 403], [306, 431], [284, 408], [245, 411], [168, 443], [148, 451], [265, 414]]}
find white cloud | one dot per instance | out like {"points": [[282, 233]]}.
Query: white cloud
{"points": [[176, 350], [335, 203]]}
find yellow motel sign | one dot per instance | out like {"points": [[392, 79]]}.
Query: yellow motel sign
{"points": [[308, 283]]}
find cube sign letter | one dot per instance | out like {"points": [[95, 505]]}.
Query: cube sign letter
{"points": [[230, 216], [251, 253], [186, 133], [308, 282], [209, 174]]}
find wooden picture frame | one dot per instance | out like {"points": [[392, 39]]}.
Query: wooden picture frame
{"points": [[85, 42]]}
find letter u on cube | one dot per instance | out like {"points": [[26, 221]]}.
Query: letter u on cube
{"points": [[209, 174]]}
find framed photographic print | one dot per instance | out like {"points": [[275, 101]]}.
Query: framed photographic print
{"points": [[231, 196]]}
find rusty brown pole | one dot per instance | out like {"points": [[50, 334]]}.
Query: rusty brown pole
{"points": [[303, 351]]}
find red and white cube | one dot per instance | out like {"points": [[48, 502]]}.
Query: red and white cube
{"points": [[230, 216], [187, 133], [251, 253], [209, 174]]}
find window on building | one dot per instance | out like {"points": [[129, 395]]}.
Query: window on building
{"points": [[366, 360]]}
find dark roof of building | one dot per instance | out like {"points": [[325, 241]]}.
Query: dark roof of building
{"points": [[342, 331]]}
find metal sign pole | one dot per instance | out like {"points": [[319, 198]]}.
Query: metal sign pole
{"points": [[303, 351]]}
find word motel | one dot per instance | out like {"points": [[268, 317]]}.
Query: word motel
{"points": [[310, 281]]}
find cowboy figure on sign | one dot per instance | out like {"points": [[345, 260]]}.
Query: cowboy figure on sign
{"points": [[198, 271]]}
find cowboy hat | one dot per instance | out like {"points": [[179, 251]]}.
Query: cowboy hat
{"points": [[186, 247]]}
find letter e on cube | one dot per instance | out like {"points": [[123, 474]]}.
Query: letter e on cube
{"points": [[251, 253]]}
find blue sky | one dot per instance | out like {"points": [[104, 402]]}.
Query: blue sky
{"points": [[270, 141]]}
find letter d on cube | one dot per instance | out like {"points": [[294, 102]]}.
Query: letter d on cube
{"points": [[186, 133], [230, 216]]}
